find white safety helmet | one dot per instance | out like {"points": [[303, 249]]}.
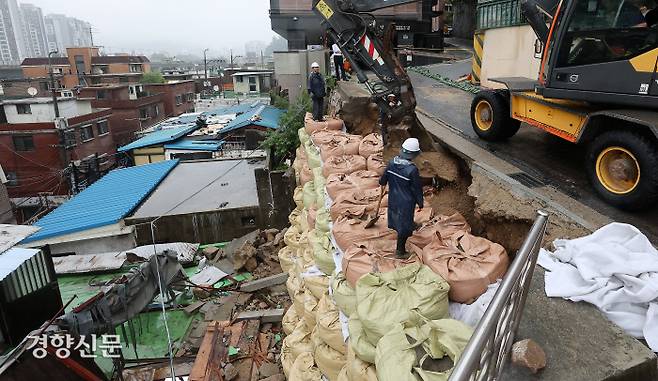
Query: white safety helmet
{"points": [[411, 145], [314, 65]]}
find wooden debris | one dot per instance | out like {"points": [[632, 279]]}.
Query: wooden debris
{"points": [[266, 316], [264, 282], [207, 365], [189, 310]]}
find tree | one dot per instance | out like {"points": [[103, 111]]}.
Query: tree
{"points": [[285, 139], [153, 77]]}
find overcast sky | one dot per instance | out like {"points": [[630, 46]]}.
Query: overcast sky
{"points": [[176, 26]]}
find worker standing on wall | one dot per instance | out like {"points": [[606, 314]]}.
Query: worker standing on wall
{"points": [[405, 192], [317, 90], [338, 63]]}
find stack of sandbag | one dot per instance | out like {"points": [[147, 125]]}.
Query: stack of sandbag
{"points": [[361, 180], [343, 164], [328, 123], [371, 145]]}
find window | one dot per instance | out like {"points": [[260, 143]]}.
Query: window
{"points": [[12, 179], [239, 78], [253, 87], [102, 127], [23, 109], [79, 64], [86, 133], [189, 97], [101, 94], [179, 100], [156, 110], [24, 143], [143, 113], [603, 31]]}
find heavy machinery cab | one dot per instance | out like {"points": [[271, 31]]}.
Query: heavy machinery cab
{"points": [[601, 51]]}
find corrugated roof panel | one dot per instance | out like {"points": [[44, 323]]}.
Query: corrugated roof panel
{"points": [[105, 202], [196, 145], [264, 116], [160, 136]]}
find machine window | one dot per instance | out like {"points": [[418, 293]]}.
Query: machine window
{"points": [[605, 31]]}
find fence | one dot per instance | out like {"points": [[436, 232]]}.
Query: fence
{"points": [[499, 14], [486, 354]]}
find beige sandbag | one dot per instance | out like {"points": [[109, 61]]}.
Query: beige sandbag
{"points": [[292, 236], [328, 123], [305, 175], [322, 220], [303, 222], [310, 311], [290, 320], [340, 145], [298, 341], [357, 369], [362, 346], [304, 369], [317, 285], [310, 218], [293, 217], [371, 145], [309, 195], [286, 359], [323, 136], [343, 164], [329, 328], [348, 231], [386, 299], [286, 258], [357, 203], [342, 375], [403, 352], [443, 226], [300, 154], [323, 250], [343, 294], [337, 183], [298, 197], [469, 263], [329, 361], [375, 256], [376, 164]]}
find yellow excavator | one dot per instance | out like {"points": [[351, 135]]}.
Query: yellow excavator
{"points": [[597, 87]]}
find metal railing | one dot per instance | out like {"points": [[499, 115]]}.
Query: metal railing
{"points": [[499, 14], [486, 354]]}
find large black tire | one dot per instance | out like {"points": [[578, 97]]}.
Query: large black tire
{"points": [[623, 168], [490, 116]]}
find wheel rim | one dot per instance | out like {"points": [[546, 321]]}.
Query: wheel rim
{"points": [[483, 115], [618, 170]]}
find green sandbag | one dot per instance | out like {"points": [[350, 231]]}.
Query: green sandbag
{"points": [[313, 156], [322, 250], [322, 220], [344, 295], [386, 299], [304, 137], [360, 344], [309, 195], [397, 355], [320, 183]]}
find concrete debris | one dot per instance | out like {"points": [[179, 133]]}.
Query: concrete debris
{"points": [[526, 353], [208, 276], [266, 316], [269, 281], [255, 252], [230, 372]]}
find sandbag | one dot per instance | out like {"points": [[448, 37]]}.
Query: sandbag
{"points": [[322, 220], [286, 258], [467, 262], [386, 299], [376, 164], [443, 226], [318, 286], [304, 369], [375, 256], [310, 218], [312, 156], [292, 237], [329, 361], [290, 320], [286, 359], [303, 222], [357, 203], [310, 310], [300, 154], [298, 341], [298, 197], [339, 146], [305, 175], [293, 217], [309, 195], [343, 294], [363, 347], [296, 292], [329, 328], [320, 182], [348, 231], [342, 375], [371, 144], [357, 369], [323, 250], [337, 183], [323, 136], [304, 137], [402, 352], [329, 123], [343, 164]]}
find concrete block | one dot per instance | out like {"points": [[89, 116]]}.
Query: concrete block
{"points": [[265, 316], [269, 281]]}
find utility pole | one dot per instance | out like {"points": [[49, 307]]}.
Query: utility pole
{"points": [[205, 64], [231, 58], [91, 35], [52, 83]]}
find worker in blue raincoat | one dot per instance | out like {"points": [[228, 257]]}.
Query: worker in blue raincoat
{"points": [[405, 192]]}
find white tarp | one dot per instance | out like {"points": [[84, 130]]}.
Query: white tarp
{"points": [[11, 259], [10, 235], [614, 268]]}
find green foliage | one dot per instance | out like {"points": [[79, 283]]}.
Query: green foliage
{"points": [[279, 101], [153, 77], [331, 83], [285, 140]]}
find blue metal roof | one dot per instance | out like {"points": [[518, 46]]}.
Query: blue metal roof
{"points": [[196, 145], [105, 202], [264, 116], [160, 136]]}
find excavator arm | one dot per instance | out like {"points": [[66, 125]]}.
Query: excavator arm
{"points": [[368, 48]]}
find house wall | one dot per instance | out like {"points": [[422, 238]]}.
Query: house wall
{"points": [[148, 155], [6, 211], [509, 52], [109, 244], [291, 69], [45, 112], [170, 91]]}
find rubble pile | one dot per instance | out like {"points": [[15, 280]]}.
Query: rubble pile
{"points": [[356, 309]]}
